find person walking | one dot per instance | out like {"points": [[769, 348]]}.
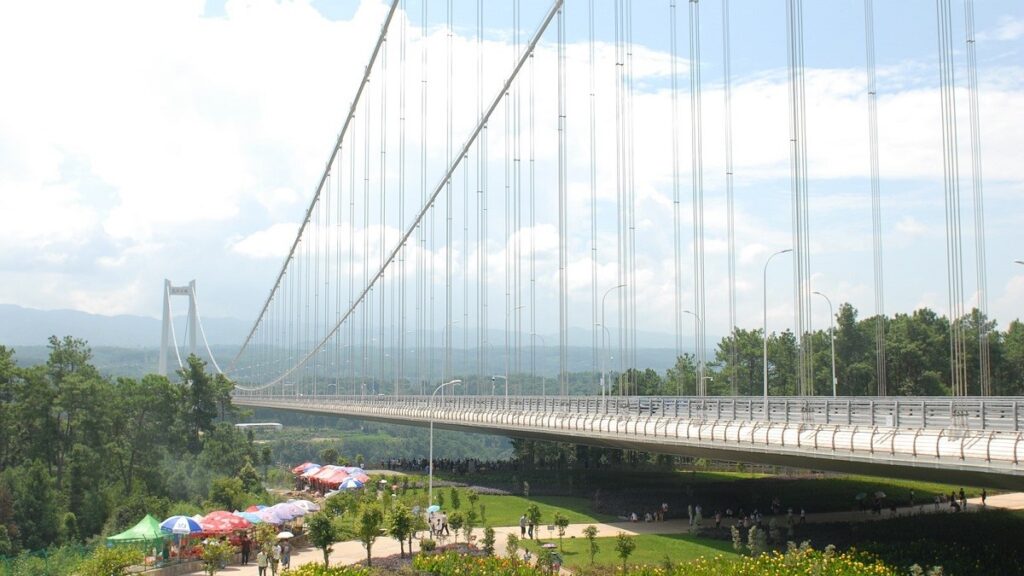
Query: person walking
{"points": [[246, 550], [529, 528], [262, 562], [984, 496], [522, 526], [286, 555], [275, 559]]}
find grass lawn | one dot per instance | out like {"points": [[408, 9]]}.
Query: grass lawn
{"points": [[651, 549], [506, 510]]}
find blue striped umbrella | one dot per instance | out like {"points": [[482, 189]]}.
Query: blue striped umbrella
{"points": [[180, 525]]}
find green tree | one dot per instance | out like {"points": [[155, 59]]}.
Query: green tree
{"points": [[228, 493], [34, 511], [456, 520], [323, 532], [624, 547], [199, 405], [533, 514], [216, 553], [368, 527], [488, 541], [400, 525], [250, 478], [105, 561], [512, 546], [473, 498], [590, 532], [562, 523], [329, 456], [456, 501], [266, 459], [469, 524]]}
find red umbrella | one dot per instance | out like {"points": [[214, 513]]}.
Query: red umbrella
{"points": [[334, 479], [302, 467], [361, 477], [255, 508], [222, 522]]}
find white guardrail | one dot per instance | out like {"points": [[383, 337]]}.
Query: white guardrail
{"points": [[980, 434]]}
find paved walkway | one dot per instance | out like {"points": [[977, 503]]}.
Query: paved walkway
{"points": [[351, 552]]}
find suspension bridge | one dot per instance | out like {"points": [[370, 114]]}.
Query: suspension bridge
{"points": [[461, 166]]}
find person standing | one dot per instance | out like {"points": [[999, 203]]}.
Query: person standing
{"points": [[262, 562], [246, 550], [522, 526], [286, 555], [529, 528], [984, 496], [275, 559]]}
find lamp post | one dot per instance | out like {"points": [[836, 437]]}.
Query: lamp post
{"points": [[832, 337], [605, 326], [765, 334], [700, 367], [430, 475], [505, 378]]}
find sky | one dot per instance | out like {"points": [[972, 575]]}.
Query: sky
{"points": [[143, 140]]}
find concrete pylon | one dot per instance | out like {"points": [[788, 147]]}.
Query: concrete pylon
{"points": [[166, 338]]}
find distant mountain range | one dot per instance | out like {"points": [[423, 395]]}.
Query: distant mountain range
{"points": [[29, 327], [128, 345]]}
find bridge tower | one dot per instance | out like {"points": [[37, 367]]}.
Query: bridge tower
{"points": [[167, 339]]}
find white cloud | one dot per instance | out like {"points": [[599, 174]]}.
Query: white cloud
{"points": [[1009, 28]]}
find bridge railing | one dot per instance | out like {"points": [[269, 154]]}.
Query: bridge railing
{"points": [[971, 413]]}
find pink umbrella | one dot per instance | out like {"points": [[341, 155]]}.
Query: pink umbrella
{"points": [[287, 511], [222, 522], [270, 516]]}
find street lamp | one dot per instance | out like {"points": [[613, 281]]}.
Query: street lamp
{"points": [[505, 378], [765, 334], [603, 343], [696, 342], [430, 480], [832, 336]]}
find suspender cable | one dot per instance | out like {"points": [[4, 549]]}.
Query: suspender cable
{"points": [[677, 272], [463, 151], [383, 137], [481, 184], [533, 226], [401, 205], [798, 176], [563, 225], [323, 178], [951, 185], [729, 196], [876, 199], [985, 367], [620, 188], [593, 196], [447, 366], [697, 176]]}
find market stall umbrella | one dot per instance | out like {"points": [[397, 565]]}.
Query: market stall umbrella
{"points": [[305, 505], [221, 522], [250, 516], [180, 525], [285, 534], [360, 476], [312, 471], [287, 511], [255, 508], [303, 467], [270, 516], [353, 470], [350, 483]]}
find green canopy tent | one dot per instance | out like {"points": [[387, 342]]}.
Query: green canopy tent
{"points": [[146, 532]]}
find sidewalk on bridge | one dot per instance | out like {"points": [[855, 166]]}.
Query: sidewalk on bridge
{"points": [[350, 552]]}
